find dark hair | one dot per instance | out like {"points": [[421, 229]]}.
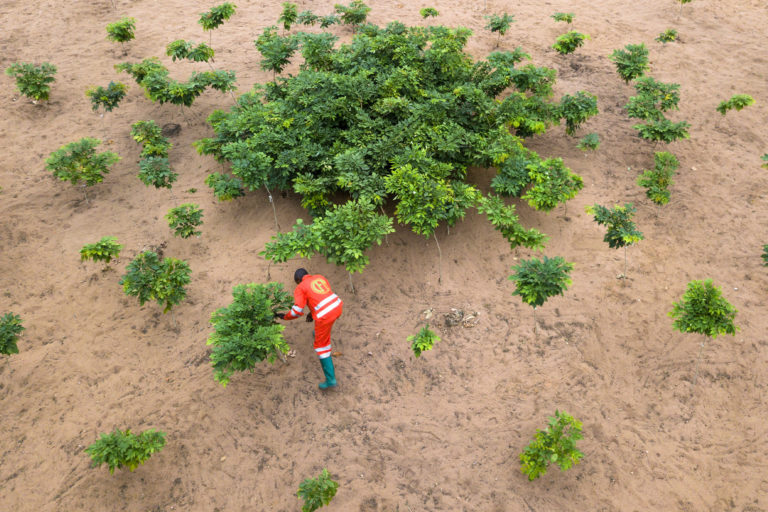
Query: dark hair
{"points": [[299, 274]]}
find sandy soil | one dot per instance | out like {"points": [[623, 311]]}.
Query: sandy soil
{"points": [[439, 433]]}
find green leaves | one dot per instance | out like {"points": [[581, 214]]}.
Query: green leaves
{"points": [[78, 162], [10, 329], [620, 230], [422, 341], [568, 42], [553, 183], [764, 158], [590, 142], [289, 15], [245, 332], [563, 16], [31, 80], [353, 14], [505, 221], [667, 36], [217, 15], [151, 277], [663, 130], [122, 30], [765, 256], [499, 23], [108, 97], [276, 50], [181, 49], [736, 102], [156, 171], [555, 444], [428, 12], [577, 109], [150, 136], [104, 250], [652, 99], [538, 280], [632, 62], [120, 449], [658, 179], [225, 187], [703, 310], [317, 492], [185, 219]]}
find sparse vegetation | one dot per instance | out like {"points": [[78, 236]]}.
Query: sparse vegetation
{"points": [[424, 340], [31, 80], [736, 102], [631, 62], [317, 492], [556, 444], [568, 42], [10, 330], [120, 449], [590, 142]]}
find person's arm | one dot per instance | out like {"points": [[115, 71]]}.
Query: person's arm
{"points": [[299, 301]]}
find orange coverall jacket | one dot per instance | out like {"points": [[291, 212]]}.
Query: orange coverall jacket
{"points": [[325, 306]]}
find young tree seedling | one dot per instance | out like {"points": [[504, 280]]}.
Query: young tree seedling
{"points": [[682, 2], [151, 277], [10, 329], [185, 219], [506, 221], [631, 62], [276, 51], [78, 162], [765, 256], [317, 492], [577, 109], [104, 250], [428, 12], [590, 142], [663, 130], [555, 444], [108, 97], [703, 310], [156, 171], [289, 16], [658, 180], [620, 230], [499, 24], [553, 183], [213, 19], [150, 136], [668, 36], [424, 340], [307, 18], [563, 16], [568, 42], [122, 31], [353, 14], [653, 99], [536, 280], [225, 187], [736, 102], [33, 81], [120, 449], [245, 332]]}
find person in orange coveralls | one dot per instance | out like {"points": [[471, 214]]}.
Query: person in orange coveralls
{"points": [[325, 307]]}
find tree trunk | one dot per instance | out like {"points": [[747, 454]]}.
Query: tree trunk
{"points": [[274, 212], [350, 282], [535, 328], [439, 260], [698, 361]]}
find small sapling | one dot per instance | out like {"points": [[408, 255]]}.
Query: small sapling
{"points": [[122, 31], [317, 492], [590, 142], [620, 230], [225, 187], [108, 97], [765, 256], [33, 81], [499, 24], [631, 62], [553, 183], [151, 277], [424, 340], [276, 51], [104, 250], [156, 171], [736, 102], [120, 449], [682, 2], [289, 16], [506, 221], [536, 280], [78, 162], [212, 19], [568, 42], [185, 219], [657, 180], [567, 17], [668, 36], [577, 109], [328, 20], [663, 130], [555, 444], [353, 14], [428, 12], [10, 329], [150, 136], [307, 18], [703, 310]]}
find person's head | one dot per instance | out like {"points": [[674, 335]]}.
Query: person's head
{"points": [[299, 275]]}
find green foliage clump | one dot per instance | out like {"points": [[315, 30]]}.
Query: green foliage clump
{"points": [[590, 142], [150, 136], [10, 329], [120, 449], [631, 62], [653, 99], [499, 23], [563, 16], [307, 18], [122, 30], [289, 16], [104, 250], [663, 130], [79, 162], [657, 180], [577, 109], [422, 341], [353, 14], [107, 97], [668, 36], [181, 49], [225, 187], [428, 12], [33, 81], [568, 42], [276, 50], [536, 280], [555, 444], [765, 255], [764, 158], [620, 229], [736, 102], [245, 332], [317, 492], [506, 221], [152, 277], [212, 19], [156, 171], [185, 219], [704, 310], [553, 183]]}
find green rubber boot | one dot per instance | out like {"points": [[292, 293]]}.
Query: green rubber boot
{"points": [[330, 374]]}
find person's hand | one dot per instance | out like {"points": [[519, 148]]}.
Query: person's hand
{"points": [[281, 316], [309, 317]]}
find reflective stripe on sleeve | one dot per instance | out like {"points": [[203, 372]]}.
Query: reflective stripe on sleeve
{"points": [[326, 301], [328, 309], [296, 309]]}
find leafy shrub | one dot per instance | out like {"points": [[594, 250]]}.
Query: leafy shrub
{"points": [[620, 229], [104, 250], [568, 42], [653, 98], [658, 180], [663, 130], [328, 20], [150, 277], [307, 18], [555, 444], [289, 15], [505, 221], [181, 49], [33, 81], [156, 171], [499, 24], [736, 102], [150, 136], [122, 30], [225, 187], [10, 329], [317, 492], [537, 280], [668, 36], [682, 2], [590, 142], [185, 219], [428, 12], [765, 256], [422, 341], [245, 332], [353, 14], [563, 16], [212, 19], [553, 183], [576, 109], [78, 162], [276, 50], [632, 62], [120, 449], [108, 97]]}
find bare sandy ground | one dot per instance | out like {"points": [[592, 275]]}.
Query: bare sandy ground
{"points": [[439, 433]]}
